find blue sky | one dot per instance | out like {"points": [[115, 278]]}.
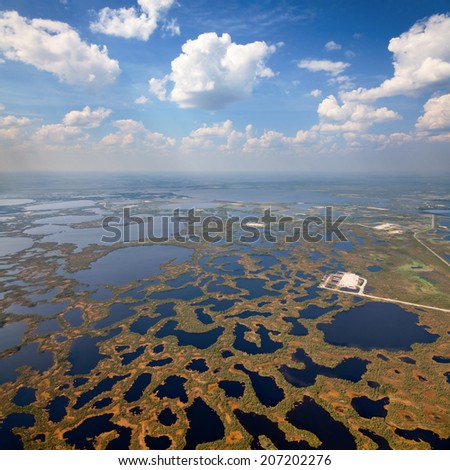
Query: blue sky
{"points": [[291, 86]]}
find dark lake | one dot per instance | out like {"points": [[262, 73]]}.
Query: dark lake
{"points": [[48, 326], [83, 436], [103, 403], [312, 417], [119, 311], [381, 442], [266, 261], [158, 443], [407, 360], [267, 345], [204, 424], [198, 365], [265, 387], [297, 328], [350, 369], [374, 268], [144, 323], [203, 317], [259, 425], [167, 417], [132, 263], [182, 279], [345, 246], [226, 264], [219, 286], [218, 305], [160, 362], [9, 440], [128, 358], [173, 387], [84, 355], [11, 334], [248, 314], [441, 359], [311, 312], [43, 310], [104, 385], [57, 408], [188, 292], [202, 340], [255, 287], [74, 317], [376, 325], [28, 355], [24, 396], [232, 388], [368, 408], [425, 435], [138, 388]]}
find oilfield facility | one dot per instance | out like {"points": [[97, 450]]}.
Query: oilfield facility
{"points": [[345, 281]]}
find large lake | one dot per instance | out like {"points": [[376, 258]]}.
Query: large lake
{"points": [[132, 263]]}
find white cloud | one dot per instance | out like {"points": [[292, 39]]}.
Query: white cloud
{"points": [[58, 133], [11, 133], [436, 116], [440, 138], [141, 100], [350, 116], [332, 46], [421, 61], [86, 118], [327, 66], [2, 106], [315, 93], [172, 27], [272, 140], [131, 22], [219, 136], [212, 71], [8, 121], [55, 47], [158, 87], [12, 127], [133, 133]]}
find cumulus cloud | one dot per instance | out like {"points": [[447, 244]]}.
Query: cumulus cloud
{"points": [[315, 93], [350, 116], [139, 23], [58, 133], [8, 121], [436, 114], [212, 71], [421, 61], [86, 118], [134, 133], [12, 127], [219, 136], [327, 66], [55, 47], [332, 46], [272, 140], [434, 124]]}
